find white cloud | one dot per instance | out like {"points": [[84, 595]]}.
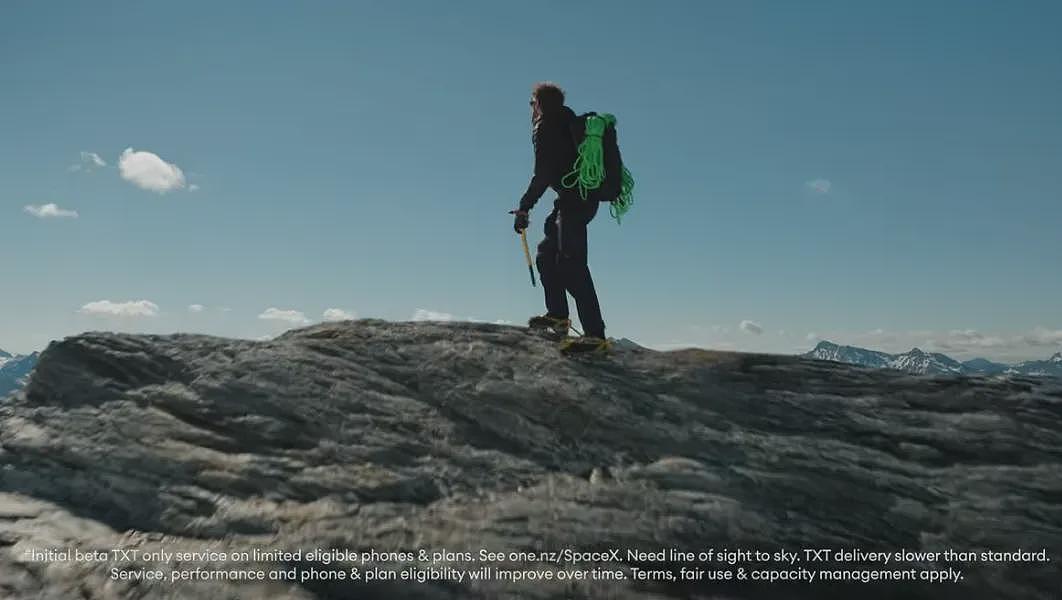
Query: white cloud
{"points": [[422, 314], [819, 186], [133, 308], [193, 187], [338, 314], [811, 337], [975, 338], [964, 341], [148, 171], [878, 331], [1042, 336], [88, 162], [196, 308], [290, 316], [751, 327], [502, 322], [50, 211]]}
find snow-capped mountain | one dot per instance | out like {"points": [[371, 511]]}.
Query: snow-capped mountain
{"points": [[932, 363], [14, 371], [925, 363], [915, 361], [1049, 367], [850, 354]]}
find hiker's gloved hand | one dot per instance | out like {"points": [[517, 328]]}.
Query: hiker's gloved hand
{"points": [[521, 222]]}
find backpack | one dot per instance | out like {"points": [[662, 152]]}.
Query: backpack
{"points": [[598, 170]]}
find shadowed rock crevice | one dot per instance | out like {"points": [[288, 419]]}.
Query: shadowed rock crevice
{"points": [[397, 436]]}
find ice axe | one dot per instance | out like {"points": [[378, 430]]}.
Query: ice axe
{"points": [[527, 253], [527, 256]]}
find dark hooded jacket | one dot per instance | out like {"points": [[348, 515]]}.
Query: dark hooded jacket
{"points": [[554, 157]]}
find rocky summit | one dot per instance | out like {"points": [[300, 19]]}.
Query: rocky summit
{"points": [[354, 445]]}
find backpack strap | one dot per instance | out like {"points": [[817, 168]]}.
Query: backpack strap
{"points": [[577, 129]]}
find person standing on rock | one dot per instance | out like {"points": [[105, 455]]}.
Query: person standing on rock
{"points": [[562, 255]]}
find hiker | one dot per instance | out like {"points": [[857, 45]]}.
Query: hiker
{"points": [[562, 255]]}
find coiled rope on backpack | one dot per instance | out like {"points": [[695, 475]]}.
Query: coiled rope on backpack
{"points": [[625, 200], [588, 173]]}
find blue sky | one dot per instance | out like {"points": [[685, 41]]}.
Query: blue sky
{"points": [[886, 174]]}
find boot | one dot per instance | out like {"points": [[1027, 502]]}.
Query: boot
{"points": [[585, 345], [554, 326]]}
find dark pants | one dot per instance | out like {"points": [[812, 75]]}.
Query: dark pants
{"points": [[562, 265]]}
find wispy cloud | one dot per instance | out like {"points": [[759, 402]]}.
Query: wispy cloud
{"points": [[50, 211], [196, 308], [88, 162], [148, 171], [133, 308], [971, 338], [423, 314], [290, 316], [751, 327], [819, 186], [193, 187], [338, 314]]}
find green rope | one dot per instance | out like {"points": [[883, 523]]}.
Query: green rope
{"points": [[589, 169], [588, 173], [623, 203]]}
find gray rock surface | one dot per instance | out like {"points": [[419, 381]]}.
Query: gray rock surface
{"points": [[382, 436]]}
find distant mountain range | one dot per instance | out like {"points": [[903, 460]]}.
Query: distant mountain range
{"points": [[14, 371], [933, 363]]}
